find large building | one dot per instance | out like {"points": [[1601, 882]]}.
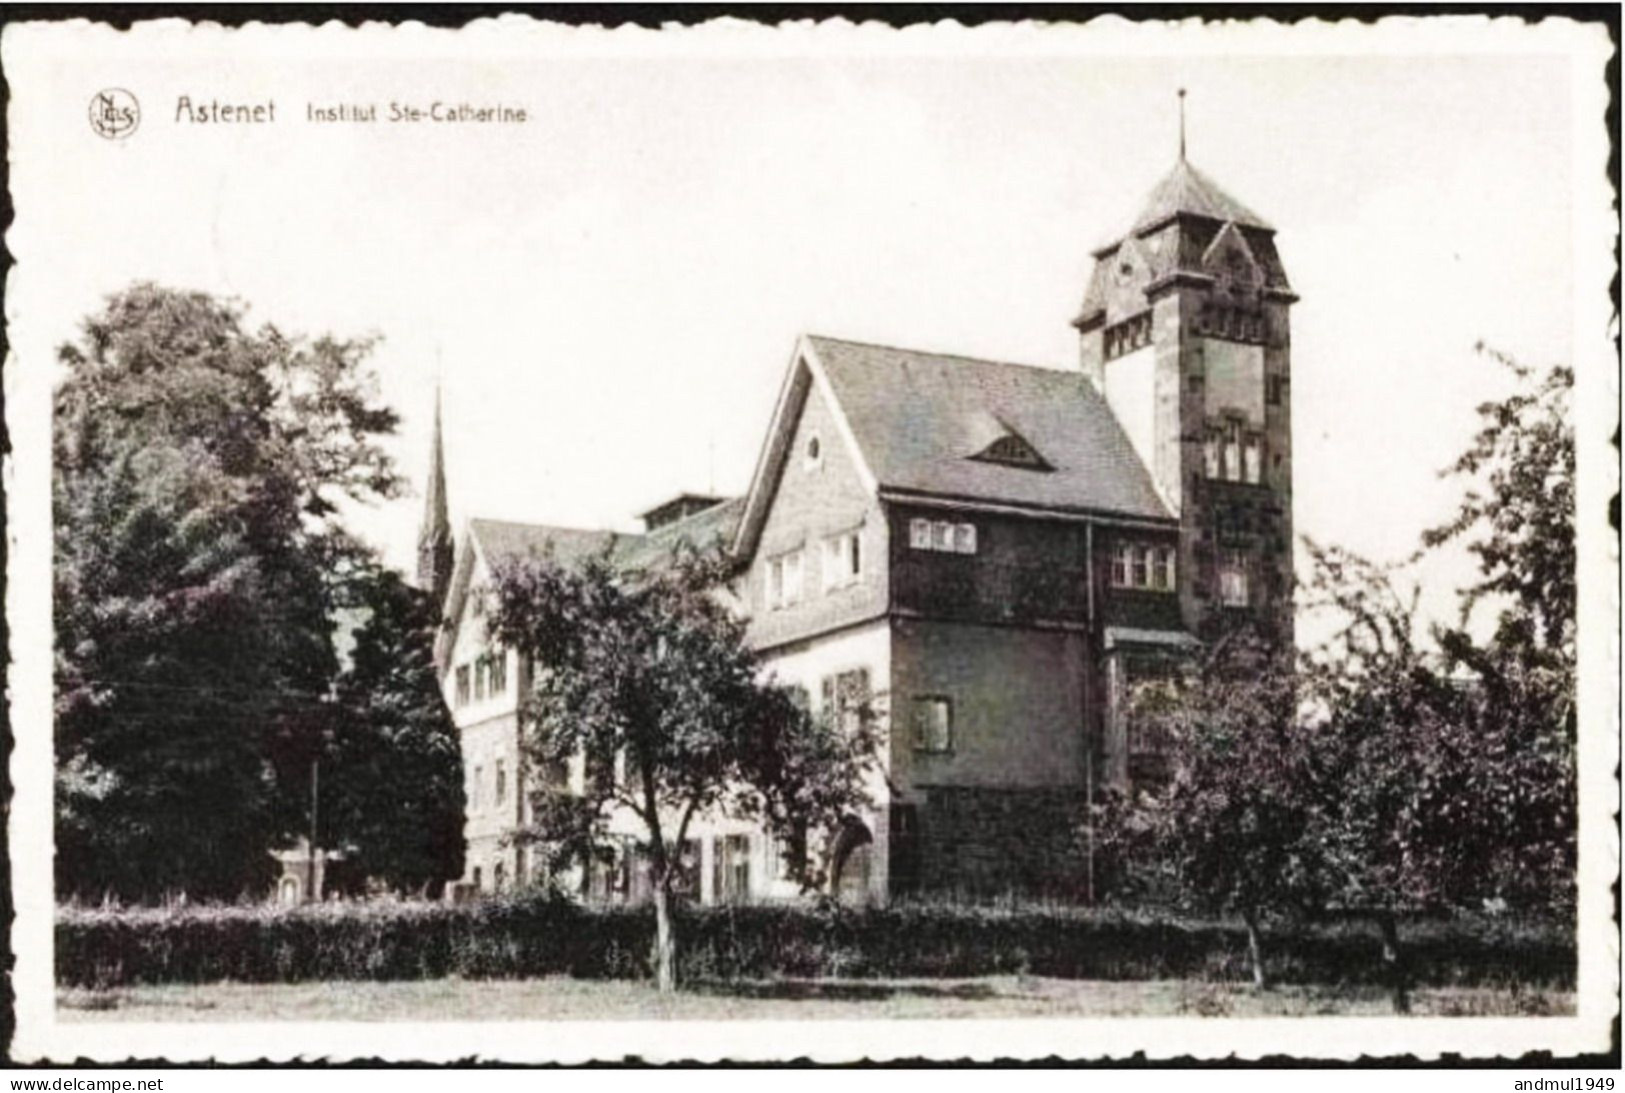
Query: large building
{"points": [[1004, 552]]}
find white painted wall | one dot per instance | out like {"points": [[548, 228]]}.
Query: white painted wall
{"points": [[1131, 392]]}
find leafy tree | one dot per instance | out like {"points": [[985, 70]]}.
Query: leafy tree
{"points": [[1518, 519], [1396, 770], [1399, 822], [651, 668], [392, 784], [197, 471], [1449, 772], [1226, 826]]}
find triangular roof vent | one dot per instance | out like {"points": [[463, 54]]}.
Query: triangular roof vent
{"points": [[1012, 449]]}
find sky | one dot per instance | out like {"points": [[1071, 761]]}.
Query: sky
{"points": [[609, 293]]}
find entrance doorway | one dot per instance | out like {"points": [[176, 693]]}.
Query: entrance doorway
{"points": [[854, 853]]}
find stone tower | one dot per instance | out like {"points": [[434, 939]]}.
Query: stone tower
{"points": [[1185, 330], [434, 536]]}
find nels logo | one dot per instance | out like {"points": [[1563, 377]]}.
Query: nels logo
{"points": [[114, 113]]}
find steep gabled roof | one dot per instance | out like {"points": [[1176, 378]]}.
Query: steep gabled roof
{"points": [[910, 411], [916, 422], [504, 540], [500, 541]]}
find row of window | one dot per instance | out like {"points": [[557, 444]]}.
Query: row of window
{"points": [[1233, 454], [1231, 324], [842, 565], [1140, 565], [486, 678], [1136, 565], [1127, 336], [941, 535]]}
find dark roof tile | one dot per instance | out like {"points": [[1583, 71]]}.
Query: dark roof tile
{"points": [[918, 418]]}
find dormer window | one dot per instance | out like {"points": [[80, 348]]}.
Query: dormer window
{"points": [[1013, 450]]}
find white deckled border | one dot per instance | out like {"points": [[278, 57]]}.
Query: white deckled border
{"points": [[29, 49]]}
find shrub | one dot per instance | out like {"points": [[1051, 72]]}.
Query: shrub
{"points": [[538, 935]]}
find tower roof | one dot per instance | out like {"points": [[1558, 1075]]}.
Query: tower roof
{"points": [[436, 525], [1185, 190], [435, 550]]}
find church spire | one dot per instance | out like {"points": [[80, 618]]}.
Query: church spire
{"points": [[434, 536]]}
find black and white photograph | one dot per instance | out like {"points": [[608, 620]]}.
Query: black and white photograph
{"points": [[827, 540]]}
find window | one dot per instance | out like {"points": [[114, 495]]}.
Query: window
{"points": [[739, 866], [476, 798], [933, 724], [783, 856], [845, 696], [502, 782], [814, 453], [843, 560], [482, 672], [1233, 580], [556, 774], [730, 867], [1121, 564], [1165, 569], [1232, 453], [499, 877], [1143, 565], [1140, 571], [462, 685], [1274, 389], [1252, 459], [784, 580], [477, 878], [944, 536], [499, 674], [1128, 335]]}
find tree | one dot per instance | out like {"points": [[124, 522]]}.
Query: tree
{"points": [[1401, 818], [1517, 518], [1398, 768], [197, 471], [392, 783], [1456, 766], [1226, 826], [648, 671]]}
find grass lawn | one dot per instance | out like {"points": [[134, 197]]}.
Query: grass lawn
{"points": [[562, 998]]}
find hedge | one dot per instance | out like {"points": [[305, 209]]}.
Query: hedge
{"points": [[549, 935]]}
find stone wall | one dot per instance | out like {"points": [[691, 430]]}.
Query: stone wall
{"points": [[975, 840]]}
